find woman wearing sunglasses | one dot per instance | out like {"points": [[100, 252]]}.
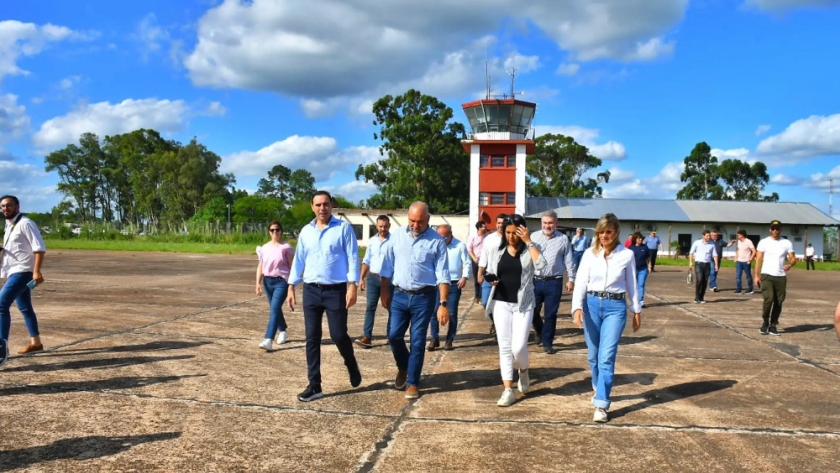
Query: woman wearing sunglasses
{"points": [[275, 261]]}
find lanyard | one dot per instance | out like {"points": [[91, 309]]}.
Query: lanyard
{"points": [[8, 235]]}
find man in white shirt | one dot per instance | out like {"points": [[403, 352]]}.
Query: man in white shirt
{"points": [[809, 258], [771, 275], [701, 257], [23, 253]]}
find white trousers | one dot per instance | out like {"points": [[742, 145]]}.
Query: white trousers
{"points": [[512, 330]]}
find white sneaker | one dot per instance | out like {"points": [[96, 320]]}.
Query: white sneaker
{"points": [[266, 345], [282, 338], [600, 415], [524, 383], [507, 399]]}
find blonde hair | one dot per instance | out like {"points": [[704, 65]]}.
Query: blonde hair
{"points": [[608, 220]]}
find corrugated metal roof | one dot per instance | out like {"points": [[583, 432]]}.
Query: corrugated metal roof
{"points": [[659, 210]]}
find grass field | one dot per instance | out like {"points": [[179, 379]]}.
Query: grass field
{"points": [[800, 265], [180, 247]]}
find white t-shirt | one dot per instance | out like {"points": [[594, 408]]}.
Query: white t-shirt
{"points": [[775, 253], [20, 242], [809, 251]]}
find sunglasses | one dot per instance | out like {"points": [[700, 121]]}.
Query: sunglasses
{"points": [[275, 230]]}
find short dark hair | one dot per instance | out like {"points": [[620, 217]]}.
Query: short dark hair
{"points": [[384, 218], [480, 224], [10, 197], [502, 216], [636, 236], [322, 192], [704, 232], [742, 232], [275, 222]]}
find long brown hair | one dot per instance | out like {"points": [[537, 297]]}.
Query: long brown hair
{"points": [[608, 220]]}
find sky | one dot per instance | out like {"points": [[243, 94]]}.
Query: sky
{"points": [[292, 82]]}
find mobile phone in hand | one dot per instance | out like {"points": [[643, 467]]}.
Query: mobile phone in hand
{"points": [[490, 277], [31, 284]]}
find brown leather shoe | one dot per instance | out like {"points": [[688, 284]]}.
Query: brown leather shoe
{"points": [[411, 392], [30, 348], [364, 342], [434, 344], [402, 377], [448, 345]]}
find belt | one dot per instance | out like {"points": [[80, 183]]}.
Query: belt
{"points": [[606, 295], [703, 262], [548, 278], [274, 277], [340, 285], [422, 290]]}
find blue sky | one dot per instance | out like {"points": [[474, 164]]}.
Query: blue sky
{"points": [[265, 82]]}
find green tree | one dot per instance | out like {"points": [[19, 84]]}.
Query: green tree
{"points": [[301, 186], [700, 175], [743, 181], [558, 166], [276, 184], [215, 210], [422, 155], [254, 208]]}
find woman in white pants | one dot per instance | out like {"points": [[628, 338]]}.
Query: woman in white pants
{"points": [[510, 269]]}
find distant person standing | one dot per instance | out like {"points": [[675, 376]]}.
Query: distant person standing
{"points": [[745, 253], [837, 321], [809, 258], [275, 262], [629, 241], [327, 261], [701, 257], [369, 280], [654, 244], [771, 275], [548, 280], [492, 240], [459, 272], [642, 254], [716, 240], [475, 245], [22, 253], [580, 242], [418, 264]]}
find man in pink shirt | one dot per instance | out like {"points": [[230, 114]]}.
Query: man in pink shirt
{"points": [[475, 244], [744, 255]]}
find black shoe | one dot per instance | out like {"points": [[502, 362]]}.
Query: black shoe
{"points": [[355, 375], [714, 289], [738, 292], [549, 350], [311, 393], [4, 350], [433, 344], [773, 330], [750, 292], [764, 328], [696, 301], [448, 345], [536, 340]]}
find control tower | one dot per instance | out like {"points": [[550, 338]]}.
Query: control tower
{"points": [[498, 146]]}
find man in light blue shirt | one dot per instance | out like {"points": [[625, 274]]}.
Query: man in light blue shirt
{"points": [[580, 242], [417, 262], [701, 256], [460, 264], [654, 244], [369, 281], [327, 261]]}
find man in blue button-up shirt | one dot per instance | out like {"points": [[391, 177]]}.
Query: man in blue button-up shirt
{"points": [[459, 272], [417, 263], [327, 261], [701, 256], [369, 281]]}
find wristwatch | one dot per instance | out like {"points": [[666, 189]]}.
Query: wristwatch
{"points": [[444, 304], [532, 244]]}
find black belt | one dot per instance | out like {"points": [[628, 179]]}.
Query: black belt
{"points": [[548, 278], [274, 277], [422, 290], [606, 295], [340, 285]]}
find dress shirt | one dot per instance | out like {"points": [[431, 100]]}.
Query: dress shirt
{"points": [[525, 295], [460, 263], [328, 256], [580, 243], [490, 241], [652, 242], [476, 243], [415, 263], [615, 274], [557, 252], [375, 252], [703, 252], [20, 242]]}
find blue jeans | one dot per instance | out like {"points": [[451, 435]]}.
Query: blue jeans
{"points": [[712, 276], [275, 290], [15, 290], [485, 293], [641, 279], [453, 300], [741, 267], [576, 257], [547, 292], [604, 320], [414, 310], [373, 291]]}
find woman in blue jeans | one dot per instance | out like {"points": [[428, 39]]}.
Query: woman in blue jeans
{"points": [[642, 254], [275, 261], [605, 280]]}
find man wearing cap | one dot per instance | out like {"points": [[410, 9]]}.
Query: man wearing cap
{"points": [[580, 242], [704, 254], [771, 275], [716, 240], [654, 244]]}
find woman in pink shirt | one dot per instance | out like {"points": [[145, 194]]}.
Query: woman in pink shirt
{"points": [[275, 261]]}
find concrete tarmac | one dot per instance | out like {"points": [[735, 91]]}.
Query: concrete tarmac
{"points": [[151, 364]]}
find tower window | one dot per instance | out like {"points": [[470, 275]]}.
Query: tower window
{"points": [[483, 198], [484, 160], [497, 198], [511, 198], [498, 161]]}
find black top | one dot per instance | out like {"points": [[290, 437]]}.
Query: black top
{"points": [[719, 245], [510, 278]]}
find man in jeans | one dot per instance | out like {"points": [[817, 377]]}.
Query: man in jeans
{"points": [[369, 279], [702, 252], [771, 275], [548, 281], [654, 244], [745, 253], [23, 253], [459, 272], [717, 240], [475, 245], [580, 242]]}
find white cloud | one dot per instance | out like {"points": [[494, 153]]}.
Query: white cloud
{"points": [[321, 49], [319, 155], [14, 122], [568, 69], [105, 118], [664, 185], [805, 138], [69, 82], [782, 5], [609, 151], [522, 63], [354, 191], [741, 154], [27, 39], [620, 176], [762, 129], [215, 109], [786, 180], [26, 182]]}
